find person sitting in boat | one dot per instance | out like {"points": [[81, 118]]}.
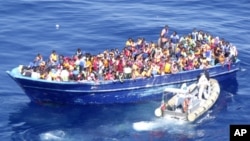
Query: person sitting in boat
{"points": [[178, 101], [207, 46], [35, 74], [109, 75], [186, 104], [144, 72], [174, 67], [91, 76], [127, 70], [38, 59], [135, 73], [167, 66], [155, 69], [65, 74], [182, 101]]}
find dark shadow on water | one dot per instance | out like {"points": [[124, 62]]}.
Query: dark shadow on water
{"points": [[229, 85]]}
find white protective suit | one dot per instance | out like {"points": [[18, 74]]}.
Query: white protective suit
{"points": [[203, 84]]}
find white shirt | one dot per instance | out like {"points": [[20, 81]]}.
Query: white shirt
{"points": [[127, 70], [35, 75], [65, 75]]}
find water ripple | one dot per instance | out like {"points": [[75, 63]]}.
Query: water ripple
{"points": [[28, 27]]}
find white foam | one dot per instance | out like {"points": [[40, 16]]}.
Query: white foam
{"points": [[53, 135], [144, 126], [161, 123]]}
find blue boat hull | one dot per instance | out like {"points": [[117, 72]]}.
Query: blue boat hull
{"points": [[108, 92]]}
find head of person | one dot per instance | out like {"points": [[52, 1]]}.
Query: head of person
{"points": [[166, 26]]}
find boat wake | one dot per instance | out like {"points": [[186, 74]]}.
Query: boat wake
{"points": [[172, 127], [160, 124]]}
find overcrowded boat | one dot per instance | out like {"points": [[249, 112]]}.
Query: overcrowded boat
{"points": [[137, 72], [189, 103]]}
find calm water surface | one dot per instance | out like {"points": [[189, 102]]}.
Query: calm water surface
{"points": [[28, 27]]}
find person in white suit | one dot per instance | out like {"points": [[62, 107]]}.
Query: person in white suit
{"points": [[203, 84]]}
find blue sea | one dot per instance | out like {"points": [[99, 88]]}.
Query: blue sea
{"points": [[28, 27]]}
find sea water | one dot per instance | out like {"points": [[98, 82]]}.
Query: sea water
{"points": [[29, 27]]}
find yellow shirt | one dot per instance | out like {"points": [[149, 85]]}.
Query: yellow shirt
{"points": [[106, 63], [134, 67], [89, 65], [144, 73], [53, 57], [66, 64], [167, 68], [129, 43]]}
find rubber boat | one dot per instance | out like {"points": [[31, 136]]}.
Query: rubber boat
{"points": [[184, 104]]}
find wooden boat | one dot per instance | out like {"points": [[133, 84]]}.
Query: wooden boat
{"points": [[116, 91], [184, 104]]}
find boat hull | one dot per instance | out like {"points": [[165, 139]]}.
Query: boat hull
{"points": [[108, 92]]}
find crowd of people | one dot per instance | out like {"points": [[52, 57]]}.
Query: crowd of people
{"points": [[139, 58]]}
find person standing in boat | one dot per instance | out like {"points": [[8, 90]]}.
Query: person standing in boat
{"points": [[233, 53], [78, 52], [53, 58], [194, 34], [163, 36], [174, 38], [202, 85]]}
